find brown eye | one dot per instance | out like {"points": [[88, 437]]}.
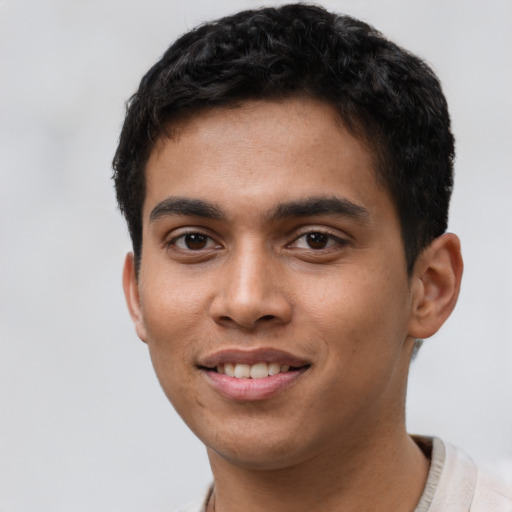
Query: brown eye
{"points": [[317, 240], [193, 242]]}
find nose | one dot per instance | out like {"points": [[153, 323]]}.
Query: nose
{"points": [[251, 292]]}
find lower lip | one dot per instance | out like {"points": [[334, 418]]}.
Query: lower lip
{"points": [[248, 390]]}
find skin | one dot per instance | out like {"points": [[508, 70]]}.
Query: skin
{"points": [[341, 301]]}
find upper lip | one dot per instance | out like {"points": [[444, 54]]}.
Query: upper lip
{"points": [[251, 356]]}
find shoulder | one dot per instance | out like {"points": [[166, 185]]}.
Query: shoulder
{"points": [[464, 487], [491, 494]]}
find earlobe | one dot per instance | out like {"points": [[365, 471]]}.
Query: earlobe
{"points": [[131, 293], [436, 284]]}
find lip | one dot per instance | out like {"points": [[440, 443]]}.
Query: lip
{"points": [[252, 356], [247, 390]]}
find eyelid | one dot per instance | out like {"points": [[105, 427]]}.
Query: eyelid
{"points": [[210, 242], [171, 238], [341, 239]]}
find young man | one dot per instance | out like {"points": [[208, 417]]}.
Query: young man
{"points": [[285, 175]]}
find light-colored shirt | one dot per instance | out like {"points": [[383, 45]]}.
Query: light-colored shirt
{"points": [[454, 484]]}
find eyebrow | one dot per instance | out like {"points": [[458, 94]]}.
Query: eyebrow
{"points": [[315, 206], [185, 206], [307, 207]]}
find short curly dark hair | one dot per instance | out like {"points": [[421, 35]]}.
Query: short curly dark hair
{"points": [[382, 93]]}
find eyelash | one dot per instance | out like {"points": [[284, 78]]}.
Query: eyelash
{"points": [[335, 241], [332, 241], [173, 242]]}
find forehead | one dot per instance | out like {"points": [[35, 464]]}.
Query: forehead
{"points": [[261, 153]]}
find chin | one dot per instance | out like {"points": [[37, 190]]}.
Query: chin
{"points": [[258, 448], [253, 455]]}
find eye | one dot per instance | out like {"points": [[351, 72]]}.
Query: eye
{"points": [[317, 240], [193, 242]]}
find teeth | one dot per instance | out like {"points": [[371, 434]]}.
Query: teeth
{"points": [[229, 369], [259, 371], [253, 371], [242, 371], [274, 368]]}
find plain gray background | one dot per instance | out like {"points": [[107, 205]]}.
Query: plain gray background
{"points": [[83, 425]]}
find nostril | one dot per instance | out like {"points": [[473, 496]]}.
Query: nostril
{"points": [[251, 311]]}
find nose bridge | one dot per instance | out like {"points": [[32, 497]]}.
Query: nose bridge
{"points": [[249, 292], [248, 278]]}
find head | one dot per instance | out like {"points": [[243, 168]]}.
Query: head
{"points": [[285, 174], [382, 94]]}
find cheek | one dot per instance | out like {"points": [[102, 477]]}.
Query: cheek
{"points": [[360, 312], [173, 320], [170, 308]]}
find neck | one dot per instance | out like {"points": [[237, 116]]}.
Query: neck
{"points": [[332, 481]]}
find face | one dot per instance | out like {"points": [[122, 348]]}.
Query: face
{"points": [[273, 293]]}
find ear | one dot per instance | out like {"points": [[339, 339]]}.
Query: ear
{"points": [[131, 293], [435, 285]]}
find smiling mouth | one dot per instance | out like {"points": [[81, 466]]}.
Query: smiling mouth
{"points": [[244, 376], [254, 371]]}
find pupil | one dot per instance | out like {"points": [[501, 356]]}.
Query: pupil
{"points": [[195, 241], [317, 240]]}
